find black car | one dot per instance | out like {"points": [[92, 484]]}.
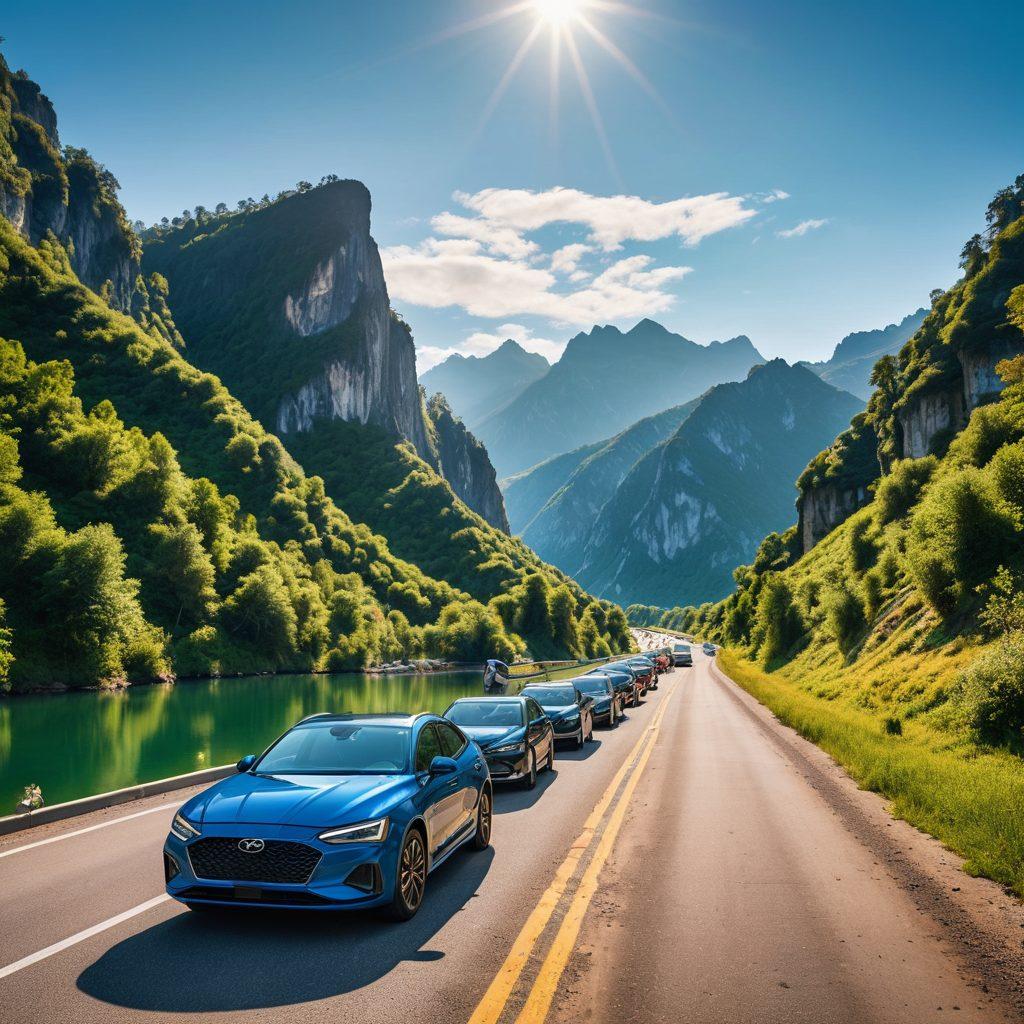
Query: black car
{"points": [[624, 681], [513, 733], [570, 711], [607, 700]]}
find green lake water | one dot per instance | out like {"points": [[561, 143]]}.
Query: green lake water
{"points": [[77, 744]]}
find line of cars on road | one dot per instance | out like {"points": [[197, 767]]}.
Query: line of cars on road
{"points": [[355, 811]]}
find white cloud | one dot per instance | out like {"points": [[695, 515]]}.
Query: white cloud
{"points": [[802, 228], [566, 260], [486, 286], [482, 260], [611, 220]]}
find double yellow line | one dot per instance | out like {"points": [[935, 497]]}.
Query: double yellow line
{"points": [[538, 1002]]}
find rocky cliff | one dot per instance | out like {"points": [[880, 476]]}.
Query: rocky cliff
{"points": [[289, 303], [463, 462], [45, 191]]}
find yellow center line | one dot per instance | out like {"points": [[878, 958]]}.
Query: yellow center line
{"points": [[494, 1000], [546, 984]]}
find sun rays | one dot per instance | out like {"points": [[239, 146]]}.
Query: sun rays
{"points": [[564, 23]]}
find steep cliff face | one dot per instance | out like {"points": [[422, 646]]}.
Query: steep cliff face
{"points": [[464, 463], [927, 416], [288, 303], [44, 191], [823, 508], [836, 482]]}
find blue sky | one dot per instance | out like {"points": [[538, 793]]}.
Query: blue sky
{"points": [[890, 123]]}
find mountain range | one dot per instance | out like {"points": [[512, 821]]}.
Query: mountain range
{"points": [[850, 365], [477, 386], [605, 381]]}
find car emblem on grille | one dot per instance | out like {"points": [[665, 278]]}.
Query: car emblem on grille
{"points": [[251, 845]]}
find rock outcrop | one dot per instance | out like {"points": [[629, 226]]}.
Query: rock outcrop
{"points": [[927, 415], [464, 463], [44, 191], [821, 509]]}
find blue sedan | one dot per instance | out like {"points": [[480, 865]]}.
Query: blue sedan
{"points": [[343, 811]]}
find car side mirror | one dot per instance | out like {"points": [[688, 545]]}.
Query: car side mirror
{"points": [[246, 762], [443, 765]]}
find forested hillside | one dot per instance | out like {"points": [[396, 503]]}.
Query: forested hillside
{"points": [[151, 526], [912, 606]]}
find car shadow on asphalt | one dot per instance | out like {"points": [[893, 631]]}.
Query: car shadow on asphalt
{"points": [[584, 753], [512, 797], [256, 959]]}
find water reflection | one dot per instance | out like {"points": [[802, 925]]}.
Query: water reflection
{"points": [[80, 743]]}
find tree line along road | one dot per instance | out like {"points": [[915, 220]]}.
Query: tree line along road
{"points": [[698, 864]]}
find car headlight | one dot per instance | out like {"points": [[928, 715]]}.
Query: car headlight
{"points": [[571, 720], [505, 748], [183, 829], [367, 832]]}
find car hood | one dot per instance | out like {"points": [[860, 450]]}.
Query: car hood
{"points": [[489, 735], [307, 800], [561, 711]]}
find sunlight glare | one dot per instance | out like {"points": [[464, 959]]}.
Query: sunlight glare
{"points": [[558, 12]]}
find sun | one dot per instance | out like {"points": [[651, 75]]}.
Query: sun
{"points": [[558, 12]]}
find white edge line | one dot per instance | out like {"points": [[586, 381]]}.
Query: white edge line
{"points": [[88, 933], [82, 831]]}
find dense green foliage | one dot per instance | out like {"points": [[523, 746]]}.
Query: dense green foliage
{"points": [[913, 608]]}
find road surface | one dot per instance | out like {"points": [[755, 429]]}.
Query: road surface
{"points": [[698, 864]]}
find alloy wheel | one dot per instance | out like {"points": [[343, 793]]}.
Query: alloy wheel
{"points": [[484, 823], [412, 871]]}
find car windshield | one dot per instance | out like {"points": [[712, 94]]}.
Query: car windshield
{"points": [[593, 685], [338, 748], [552, 696], [500, 714], [682, 648]]}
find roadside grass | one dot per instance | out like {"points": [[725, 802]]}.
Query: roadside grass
{"points": [[969, 797]]}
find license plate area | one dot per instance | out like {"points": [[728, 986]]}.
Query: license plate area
{"points": [[247, 892]]}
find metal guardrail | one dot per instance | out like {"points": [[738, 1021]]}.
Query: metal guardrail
{"points": [[100, 801]]}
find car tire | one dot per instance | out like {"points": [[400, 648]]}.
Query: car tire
{"points": [[530, 779], [410, 878], [613, 721], [578, 741], [484, 820], [549, 765], [590, 732]]}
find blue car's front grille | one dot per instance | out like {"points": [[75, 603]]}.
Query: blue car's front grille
{"points": [[220, 859]]}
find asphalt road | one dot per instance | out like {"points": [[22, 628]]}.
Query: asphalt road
{"points": [[688, 866]]}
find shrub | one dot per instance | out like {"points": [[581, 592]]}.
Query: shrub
{"points": [[873, 589], [778, 625], [892, 726], [844, 611], [990, 693], [1007, 470], [959, 534], [862, 548], [898, 492]]}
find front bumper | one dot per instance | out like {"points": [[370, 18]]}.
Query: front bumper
{"points": [[346, 876], [508, 767]]}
